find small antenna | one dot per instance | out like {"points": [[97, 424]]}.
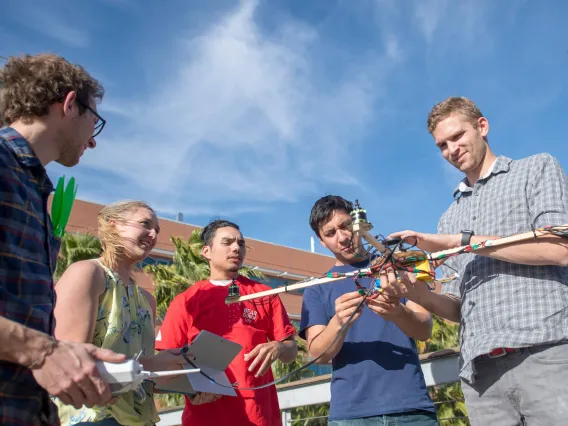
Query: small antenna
{"points": [[234, 289], [358, 215]]}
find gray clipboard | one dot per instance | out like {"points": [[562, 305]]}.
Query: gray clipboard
{"points": [[213, 354]]}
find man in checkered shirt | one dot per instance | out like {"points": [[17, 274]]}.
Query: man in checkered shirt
{"points": [[49, 107], [511, 301]]}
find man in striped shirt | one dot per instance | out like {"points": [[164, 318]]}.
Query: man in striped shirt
{"points": [[511, 301], [49, 107]]}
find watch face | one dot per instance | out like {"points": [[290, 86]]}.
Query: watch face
{"points": [[466, 237]]}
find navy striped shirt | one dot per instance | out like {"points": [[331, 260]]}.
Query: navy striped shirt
{"points": [[28, 254]]}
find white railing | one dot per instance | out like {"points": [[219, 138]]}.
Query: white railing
{"points": [[439, 368]]}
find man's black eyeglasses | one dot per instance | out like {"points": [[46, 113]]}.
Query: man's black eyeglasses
{"points": [[100, 124]]}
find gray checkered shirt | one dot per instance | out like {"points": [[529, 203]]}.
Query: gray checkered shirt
{"points": [[505, 304]]}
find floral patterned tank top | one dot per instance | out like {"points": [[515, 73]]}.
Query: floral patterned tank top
{"points": [[125, 325]]}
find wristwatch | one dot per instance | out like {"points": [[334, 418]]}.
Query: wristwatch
{"points": [[466, 237]]}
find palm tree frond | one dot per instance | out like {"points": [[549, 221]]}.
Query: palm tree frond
{"points": [[76, 247]]}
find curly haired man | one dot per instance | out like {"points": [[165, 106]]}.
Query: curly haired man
{"points": [[49, 108]]}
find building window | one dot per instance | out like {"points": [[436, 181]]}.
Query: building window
{"points": [[153, 261], [275, 282], [320, 370]]}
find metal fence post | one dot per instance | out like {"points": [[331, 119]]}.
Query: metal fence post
{"points": [[286, 417]]}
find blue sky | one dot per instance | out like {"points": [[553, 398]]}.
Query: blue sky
{"points": [[252, 110]]}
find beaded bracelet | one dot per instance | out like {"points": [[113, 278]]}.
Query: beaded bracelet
{"points": [[39, 362]]}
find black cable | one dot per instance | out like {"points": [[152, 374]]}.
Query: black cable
{"points": [[388, 257], [290, 374], [425, 258], [450, 267], [303, 367]]}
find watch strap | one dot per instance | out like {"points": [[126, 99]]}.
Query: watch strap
{"points": [[466, 237]]}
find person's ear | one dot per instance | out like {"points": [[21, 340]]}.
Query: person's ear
{"points": [[70, 106], [206, 252]]}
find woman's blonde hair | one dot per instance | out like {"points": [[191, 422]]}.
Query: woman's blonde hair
{"points": [[111, 241]]}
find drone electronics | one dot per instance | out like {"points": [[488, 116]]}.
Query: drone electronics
{"points": [[393, 253]]}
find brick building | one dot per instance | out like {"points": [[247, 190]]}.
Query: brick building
{"points": [[280, 265]]}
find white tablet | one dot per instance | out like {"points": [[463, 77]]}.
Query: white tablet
{"points": [[213, 354]]}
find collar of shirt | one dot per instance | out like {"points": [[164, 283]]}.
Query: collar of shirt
{"points": [[220, 282], [26, 157], [500, 165]]}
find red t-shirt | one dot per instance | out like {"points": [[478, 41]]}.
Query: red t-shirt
{"points": [[250, 323]]}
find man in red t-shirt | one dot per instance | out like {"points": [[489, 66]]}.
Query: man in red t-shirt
{"points": [[262, 327]]}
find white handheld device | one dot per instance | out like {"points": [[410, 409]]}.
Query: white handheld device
{"points": [[125, 376]]}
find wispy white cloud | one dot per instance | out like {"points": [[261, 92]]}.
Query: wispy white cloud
{"points": [[532, 100], [50, 19], [446, 28], [246, 118], [393, 48], [443, 24], [63, 32], [122, 109], [428, 16]]}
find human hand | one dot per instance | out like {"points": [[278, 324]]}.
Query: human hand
{"points": [[203, 398], [428, 242], [70, 374], [264, 355], [385, 305], [390, 283], [345, 305], [402, 284], [169, 359]]}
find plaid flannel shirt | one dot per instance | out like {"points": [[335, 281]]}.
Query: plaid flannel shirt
{"points": [[28, 254], [505, 304]]}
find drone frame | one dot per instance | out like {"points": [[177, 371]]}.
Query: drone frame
{"points": [[423, 262]]}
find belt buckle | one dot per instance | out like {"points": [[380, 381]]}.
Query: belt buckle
{"points": [[497, 353]]}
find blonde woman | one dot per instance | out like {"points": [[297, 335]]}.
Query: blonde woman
{"points": [[98, 302]]}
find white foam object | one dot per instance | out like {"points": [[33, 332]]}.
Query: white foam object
{"points": [[125, 376]]}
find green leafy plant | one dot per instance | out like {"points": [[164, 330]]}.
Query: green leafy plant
{"points": [[76, 247]]}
